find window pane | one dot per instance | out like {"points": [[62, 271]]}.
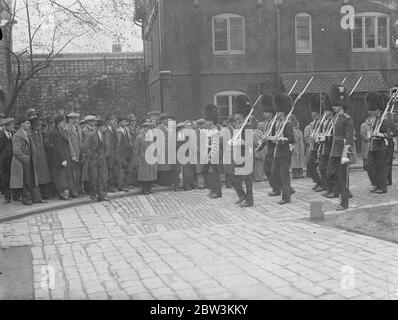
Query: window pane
{"points": [[370, 36], [236, 36], [382, 32], [222, 101], [220, 34], [357, 34], [303, 33]]}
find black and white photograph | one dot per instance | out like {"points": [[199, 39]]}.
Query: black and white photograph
{"points": [[211, 151]]}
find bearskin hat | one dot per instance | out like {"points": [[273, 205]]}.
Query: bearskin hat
{"points": [[268, 103], [315, 103], [338, 96], [282, 102], [374, 101], [242, 105], [210, 113]]}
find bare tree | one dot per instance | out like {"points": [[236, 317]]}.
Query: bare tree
{"points": [[60, 23]]}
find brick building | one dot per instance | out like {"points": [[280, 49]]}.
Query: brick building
{"points": [[208, 51], [88, 83]]}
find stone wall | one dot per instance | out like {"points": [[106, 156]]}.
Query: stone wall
{"points": [[88, 84]]}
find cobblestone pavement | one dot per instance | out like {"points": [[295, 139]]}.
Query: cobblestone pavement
{"points": [[186, 246]]}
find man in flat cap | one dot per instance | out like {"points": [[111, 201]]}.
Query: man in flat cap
{"points": [[97, 153], [6, 156], [125, 146], [75, 137], [132, 127], [88, 130], [111, 137]]}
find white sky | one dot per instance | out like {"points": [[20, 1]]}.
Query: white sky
{"points": [[114, 18]]}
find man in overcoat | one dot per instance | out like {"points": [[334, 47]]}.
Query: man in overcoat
{"points": [[7, 125]]}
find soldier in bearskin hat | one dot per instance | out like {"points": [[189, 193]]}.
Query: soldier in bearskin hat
{"points": [[315, 107], [210, 113], [325, 140], [343, 139], [242, 109], [283, 139], [377, 155], [390, 139], [267, 103]]}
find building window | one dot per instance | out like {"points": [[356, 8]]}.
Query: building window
{"points": [[371, 32], [225, 101], [303, 33], [228, 34]]}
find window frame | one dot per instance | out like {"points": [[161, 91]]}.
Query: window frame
{"points": [[229, 51], [301, 15], [230, 94], [376, 15]]}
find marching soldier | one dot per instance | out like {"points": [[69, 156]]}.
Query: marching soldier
{"points": [[343, 138], [312, 164], [213, 135], [283, 137], [377, 156], [75, 137], [268, 113], [325, 141], [241, 111]]}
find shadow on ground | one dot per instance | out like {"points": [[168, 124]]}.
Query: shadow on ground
{"points": [[16, 274]]}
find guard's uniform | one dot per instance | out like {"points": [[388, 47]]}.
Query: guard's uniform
{"points": [[390, 147], [377, 156], [324, 150]]}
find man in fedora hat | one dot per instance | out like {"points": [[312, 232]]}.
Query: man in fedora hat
{"points": [[23, 165], [6, 156], [75, 137]]}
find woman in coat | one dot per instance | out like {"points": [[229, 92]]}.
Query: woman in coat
{"points": [[298, 155], [61, 159], [147, 170], [43, 174]]}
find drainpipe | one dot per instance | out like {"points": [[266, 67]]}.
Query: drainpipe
{"points": [[278, 41]]}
